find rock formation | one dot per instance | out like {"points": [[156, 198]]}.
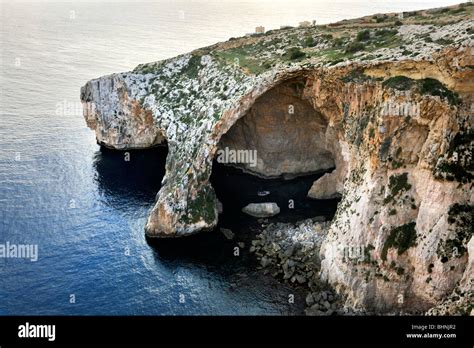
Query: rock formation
{"points": [[389, 106]]}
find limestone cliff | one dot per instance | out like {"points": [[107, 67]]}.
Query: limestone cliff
{"points": [[388, 104]]}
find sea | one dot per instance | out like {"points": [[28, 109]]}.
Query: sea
{"points": [[84, 208]]}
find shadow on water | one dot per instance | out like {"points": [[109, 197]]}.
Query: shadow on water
{"points": [[127, 184], [138, 180], [132, 185], [130, 175], [235, 189]]}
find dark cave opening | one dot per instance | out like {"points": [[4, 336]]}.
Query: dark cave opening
{"points": [[235, 189], [289, 145]]}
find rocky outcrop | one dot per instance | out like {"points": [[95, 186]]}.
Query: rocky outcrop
{"points": [[120, 122], [390, 109], [329, 186]]}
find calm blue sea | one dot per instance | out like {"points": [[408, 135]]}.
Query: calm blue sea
{"points": [[86, 208]]}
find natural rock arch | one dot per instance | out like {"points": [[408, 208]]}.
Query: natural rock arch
{"points": [[194, 208], [287, 135], [385, 190]]}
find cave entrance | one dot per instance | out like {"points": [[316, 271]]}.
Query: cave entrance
{"points": [[274, 153]]}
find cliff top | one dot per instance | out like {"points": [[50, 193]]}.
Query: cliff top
{"points": [[412, 35]]}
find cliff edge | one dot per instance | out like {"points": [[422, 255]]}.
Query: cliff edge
{"points": [[386, 101]]}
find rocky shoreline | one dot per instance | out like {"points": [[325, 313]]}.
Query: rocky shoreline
{"points": [[291, 250], [291, 253]]}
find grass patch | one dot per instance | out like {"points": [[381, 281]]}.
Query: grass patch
{"points": [[242, 56]]}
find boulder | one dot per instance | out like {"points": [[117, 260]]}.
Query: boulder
{"points": [[261, 210], [228, 233], [326, 187]]}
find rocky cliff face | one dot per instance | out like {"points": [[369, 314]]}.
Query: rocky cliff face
{"points": [[390, 107]]}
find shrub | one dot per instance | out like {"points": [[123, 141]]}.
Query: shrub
{"points": [[402, 238], [461, 217], [338, 41], [267, 64], [453, 171], [400, 83], [354, 47], [398, 23], [397, 183], [363, 35], [436, 88], [428, 38], [426, 86], [194, 65], [295, 53], [458, 10], [309, 41], [444, 42]]}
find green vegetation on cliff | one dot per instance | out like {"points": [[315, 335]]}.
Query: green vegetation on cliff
{"points": [[397, 184], [461, 218], [426, 86], [401, 238], [457, 164], [201, 207]]}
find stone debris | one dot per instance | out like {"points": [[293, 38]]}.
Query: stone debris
{"points": [[458, 303]]}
